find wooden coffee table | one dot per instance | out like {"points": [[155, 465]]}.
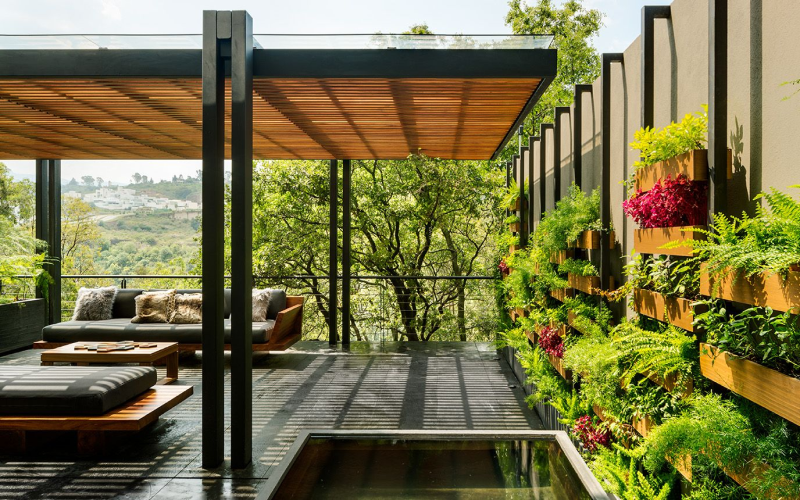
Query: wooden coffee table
{"points": [[144, 356]]}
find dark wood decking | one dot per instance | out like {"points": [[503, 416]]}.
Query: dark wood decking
{"points": [[393, 386]]}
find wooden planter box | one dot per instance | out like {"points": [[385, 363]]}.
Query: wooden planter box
{"points": [[517, 227], [650, 241], [764, 290], [561, 294], [21, 324], [764, 386], [571, 316], [560, 257], [517, 206], [586, 284], [558, 364], [694, 165], [588, 240], [675, 311], [514, 248]]}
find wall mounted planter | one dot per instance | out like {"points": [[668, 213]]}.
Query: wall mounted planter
{"points": [[571, 317], [650, 241], [588, 240], [762, 290], [21, 324], [517, 227], [675, 311], [514, 248], [562, 294], [764, 386], [560, 257], [694, 165], [586, 284], [515, 206]]}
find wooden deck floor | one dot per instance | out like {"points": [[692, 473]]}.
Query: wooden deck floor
{"points": [[390, 386]]}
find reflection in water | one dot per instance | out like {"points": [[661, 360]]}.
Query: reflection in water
{"points": [[458, 469]]}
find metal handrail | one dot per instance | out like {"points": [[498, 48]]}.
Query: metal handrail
{"points": [[298, 276]]}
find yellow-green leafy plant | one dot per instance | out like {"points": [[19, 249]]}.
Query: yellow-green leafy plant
{"points": [[656, 145]]}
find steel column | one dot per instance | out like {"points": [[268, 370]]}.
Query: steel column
{"points": [[54, 241], [605, 181], [523, 210], [333, 251], [241, 239], [717, 107], [216, 34], [42, 203], [346, 185], [531, 194], [543, 166], [649, 14], [559, 123], [577, 141]]}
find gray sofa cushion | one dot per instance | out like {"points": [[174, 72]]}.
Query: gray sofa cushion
{"points": [[114, 330], [125, 305], [70, 390], [277, 303]]}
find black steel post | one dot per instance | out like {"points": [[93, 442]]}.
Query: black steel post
{"points": [[649, 14], [605, 181], [333, 263], [346, 185], [577, 141], [517, 178], [241, 239], [42, 204], [717, 107], [216, 33], [524, 224], [54, 240], [508, 183], [543, 166], [531, 194]]}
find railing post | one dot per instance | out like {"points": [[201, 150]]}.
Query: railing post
{"points": [[333, 251], [346, 244]]}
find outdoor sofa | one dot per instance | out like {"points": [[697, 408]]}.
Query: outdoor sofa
{"points": [[282, 328]]}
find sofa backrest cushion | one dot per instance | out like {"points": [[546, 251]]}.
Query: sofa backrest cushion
{"points": [[227, 298], [277, 303], [125, 303]]}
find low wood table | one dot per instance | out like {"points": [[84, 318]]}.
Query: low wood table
{"points": [[145, 356]]}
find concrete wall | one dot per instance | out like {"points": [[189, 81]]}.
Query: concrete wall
{"points": [[763, 128]]}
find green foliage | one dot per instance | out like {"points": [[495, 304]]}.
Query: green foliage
{"points": [[760, 334], [746, 246], [577, 267], [511, 194], [573, 215], [669, 276], [667, 353], [573, 26], [16, 198], [619, 469], [657, 145], [22, 254]]}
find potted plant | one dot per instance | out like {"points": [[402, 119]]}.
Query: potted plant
{"points": [[22, 272]]}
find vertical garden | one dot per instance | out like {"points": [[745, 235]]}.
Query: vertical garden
{"points": [[680, 380]]}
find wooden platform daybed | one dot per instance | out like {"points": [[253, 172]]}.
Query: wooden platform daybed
{"points": [[284, 326], [44, 409]]}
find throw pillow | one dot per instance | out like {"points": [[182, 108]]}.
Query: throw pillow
{"points": [[154, 307], [94, 304], [261, 304], [188, 308]]}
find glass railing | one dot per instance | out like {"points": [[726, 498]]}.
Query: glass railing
{"points": [[269, 41]]}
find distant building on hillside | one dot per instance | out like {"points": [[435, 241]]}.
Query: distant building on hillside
{"points": [[121, 198]]}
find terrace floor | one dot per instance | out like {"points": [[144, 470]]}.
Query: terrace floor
{"points": [[436, 385]]}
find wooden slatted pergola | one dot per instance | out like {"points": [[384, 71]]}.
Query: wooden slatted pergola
{"points": [[234, 99]]}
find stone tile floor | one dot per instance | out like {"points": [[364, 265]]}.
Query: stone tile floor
{"points": [[436, 385]]}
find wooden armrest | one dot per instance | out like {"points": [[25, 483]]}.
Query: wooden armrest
{"points": [[284, 322]]}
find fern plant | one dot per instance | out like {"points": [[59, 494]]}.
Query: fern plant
{"points": [[619, 470], [573, 215]]}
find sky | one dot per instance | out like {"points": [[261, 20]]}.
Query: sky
{"points": [[621, 27]]}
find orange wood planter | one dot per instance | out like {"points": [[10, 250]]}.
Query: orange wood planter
{"points": [[571, 317], [764, 386], [651, 240], [562, 294], [588, 240], [514, 248], [694, 165], [516, 205], [763, 290], [517, 227], [558, 364], [586, 284], [560, 257], [674, 311]]}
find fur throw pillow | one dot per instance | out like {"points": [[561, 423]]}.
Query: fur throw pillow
{"points": [[94, 304], [154, 307], [188, 308], [261, 304]]}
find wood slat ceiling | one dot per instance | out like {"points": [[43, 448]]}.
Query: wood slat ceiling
{"points": [[292, 118]]}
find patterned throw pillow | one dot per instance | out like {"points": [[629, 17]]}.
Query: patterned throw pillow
{"points": [[261, 304], [94, 304], [154, 307], [188, 308]]}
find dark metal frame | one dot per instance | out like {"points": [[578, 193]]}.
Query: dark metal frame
{"points": [[605, 182], [717, 107], [333, 250], [347, 179], [649, 14], [48, 229], [531, 192], [543, 166], [523, 209], [577, 139], [559, 123]]}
